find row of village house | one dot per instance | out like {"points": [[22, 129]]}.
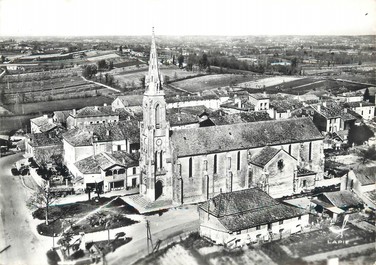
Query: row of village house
{"points": [[93, 130]]}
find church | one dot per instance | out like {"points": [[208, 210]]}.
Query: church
{"points": [[281, 157]]}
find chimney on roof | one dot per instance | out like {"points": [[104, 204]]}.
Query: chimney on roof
{"points": [[108, 132], [264, 93], [324, 103], [345, 110], [74, 112], [45, 116], [361, 104], [96, 107], [319, 108], [105, 104]]}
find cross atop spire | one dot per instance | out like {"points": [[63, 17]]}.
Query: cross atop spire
{"points": [[153, 80]]}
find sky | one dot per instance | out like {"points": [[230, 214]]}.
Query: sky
{"points": [[186, 17]]}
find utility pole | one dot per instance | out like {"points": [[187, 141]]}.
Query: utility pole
{"points": [[148, 236]]}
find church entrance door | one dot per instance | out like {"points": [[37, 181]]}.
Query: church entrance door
{"points": [[158, 189]]}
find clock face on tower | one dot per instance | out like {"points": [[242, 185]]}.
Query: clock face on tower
{"points": [[158, 142]]}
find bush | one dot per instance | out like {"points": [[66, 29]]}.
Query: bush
{"points": [[359, 134], [52, 257]]}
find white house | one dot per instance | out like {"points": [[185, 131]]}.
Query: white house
{"points": [[241, 217]]}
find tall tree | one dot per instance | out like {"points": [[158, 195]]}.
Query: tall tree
{"points": [[366, 95], [41, 198], [180, 60]]}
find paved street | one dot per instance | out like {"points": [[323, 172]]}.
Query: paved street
{"points": [[170, 224], [17, 228]]}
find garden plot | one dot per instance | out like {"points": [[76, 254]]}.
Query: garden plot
{"points": [[267, 82], [201, 83], [133, 77]]}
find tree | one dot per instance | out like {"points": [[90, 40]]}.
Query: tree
{"points": [[89, 71], [366, 95], [359, 134], [368, 154], [65, 240], [102, 64], [180, 60], [41, 198], [111, 65]]}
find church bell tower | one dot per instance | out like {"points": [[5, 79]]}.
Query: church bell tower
{"points": [[155, 162]]}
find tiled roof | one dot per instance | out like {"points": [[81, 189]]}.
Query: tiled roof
{"points": [[357, 104], [243, 209], [223, 138], [259, 96], [264, 156], [186, 115], [62, 115], [366, 175], [243, 117], [333, 110], [283, 105], [43, 123], [191, 98], [43, 139], [342, 199], [104, 132], [94, 164], [95, 111], [88, 165]]}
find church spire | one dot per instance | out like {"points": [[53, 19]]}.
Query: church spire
{"points": [[154, 84]]}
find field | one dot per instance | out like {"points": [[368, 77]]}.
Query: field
{"points": [[64, 104], [269, 81], [132, 78], [304, 85], [201, 83], [46, 87]]}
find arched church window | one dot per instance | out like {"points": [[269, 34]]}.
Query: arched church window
{"points": [[157, 116]]}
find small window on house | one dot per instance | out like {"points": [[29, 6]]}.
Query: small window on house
{"points": [[119, 147], [270, 226], [121, 171], [108, 173], [228, 163], [299, 218], [290, 149], [215, 164], [280, 164], [258, 227], [134, 171], [304, 183], [281, 222]]}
